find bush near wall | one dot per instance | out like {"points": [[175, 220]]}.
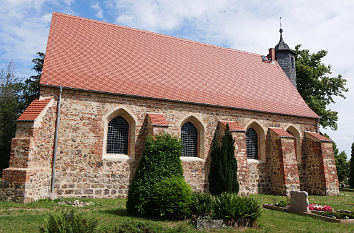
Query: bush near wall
{"points": [[171, 199], [160, 160], [238, 211], [223, 167]]}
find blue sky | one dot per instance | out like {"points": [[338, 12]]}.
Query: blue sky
{"points": [[250, 25]]}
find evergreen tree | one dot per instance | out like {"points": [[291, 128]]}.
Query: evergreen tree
{"points": [[351, 176], [31, 90], [223, 167]]}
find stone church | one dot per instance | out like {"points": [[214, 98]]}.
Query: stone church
{"points": [[105, 87]]}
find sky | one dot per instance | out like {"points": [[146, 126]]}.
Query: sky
{"points": [[249, 25]]}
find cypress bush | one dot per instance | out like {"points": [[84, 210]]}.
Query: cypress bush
{"points": [[223, 167], [160, 160], [351, 175]]}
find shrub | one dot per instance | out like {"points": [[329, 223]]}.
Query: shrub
{"points": [[160, 160], [69, 222], [171, 199], [236, 209], [202, 204], [223, 167]]}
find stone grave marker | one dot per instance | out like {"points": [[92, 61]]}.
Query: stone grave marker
{"points": [[299, 201]]}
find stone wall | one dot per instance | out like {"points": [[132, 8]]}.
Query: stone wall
{"points": [[84, 169]]}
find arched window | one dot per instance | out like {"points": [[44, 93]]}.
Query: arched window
{"points": [[252, 143], [189, 136], [117, 137]]}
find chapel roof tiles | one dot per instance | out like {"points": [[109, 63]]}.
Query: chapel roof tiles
{"points": [[90, 55], [281, 132], [33, 110], [319, 137], [158, 119]]}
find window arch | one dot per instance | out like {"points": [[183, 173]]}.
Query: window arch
{"points": [[295, 132], [189, 135], [252, 143], [117, 136]]}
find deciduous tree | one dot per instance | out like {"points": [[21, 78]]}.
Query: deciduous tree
{"points": [[316, 86], [11, 105]]}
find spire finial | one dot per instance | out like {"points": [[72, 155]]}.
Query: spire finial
{"points": [[280, 30]]}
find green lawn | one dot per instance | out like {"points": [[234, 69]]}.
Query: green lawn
{"points": [[15, 217]]}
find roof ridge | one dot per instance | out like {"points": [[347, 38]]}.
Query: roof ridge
{"points": [[156, 33]]}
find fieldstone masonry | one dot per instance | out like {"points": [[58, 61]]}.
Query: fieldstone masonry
{"points": [[83, 169]]}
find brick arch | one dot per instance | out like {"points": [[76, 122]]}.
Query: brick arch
{"points": [[201, 131], [261, 138], [129, 117], [296, 133]]}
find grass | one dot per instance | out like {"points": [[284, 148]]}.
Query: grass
{"points": [[16, 217]]}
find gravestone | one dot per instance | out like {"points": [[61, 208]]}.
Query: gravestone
{"points": [[299, 201]]}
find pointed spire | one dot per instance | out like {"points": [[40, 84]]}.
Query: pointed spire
{"points": [[281, 45]]}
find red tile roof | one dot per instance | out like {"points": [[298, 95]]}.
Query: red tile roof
{"points": [[33, 110], [319, 137], [158, 119], [234, 126], [281, 133], [91, 55]]}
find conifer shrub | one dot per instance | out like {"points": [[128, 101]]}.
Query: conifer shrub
{"points": [[223, 167], [171, 199], [160, 160], [202, 204], [351, 172], [69, 222]]}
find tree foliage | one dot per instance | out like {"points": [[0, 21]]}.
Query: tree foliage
{"points": [[31, 89], [160, 160], [223, 167], [342, 166], [11, 105], [351, 175], [316, 86], [341, 162]]}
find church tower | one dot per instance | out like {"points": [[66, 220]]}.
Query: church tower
{"points": [[286, 58]]}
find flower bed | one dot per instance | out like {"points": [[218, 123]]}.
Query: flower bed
{"points": [[320, 207]]}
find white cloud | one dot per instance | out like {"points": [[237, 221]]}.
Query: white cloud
{"points": [[247, 25], [24, 27], [99, 11]]}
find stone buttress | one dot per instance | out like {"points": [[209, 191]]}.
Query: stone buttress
{"points": [[319, 165], [282, 162], [28, 176]]}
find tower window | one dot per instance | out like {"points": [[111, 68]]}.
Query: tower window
{"points": [[252, 143], [292, 63], [117, 137], [189, 136]]}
